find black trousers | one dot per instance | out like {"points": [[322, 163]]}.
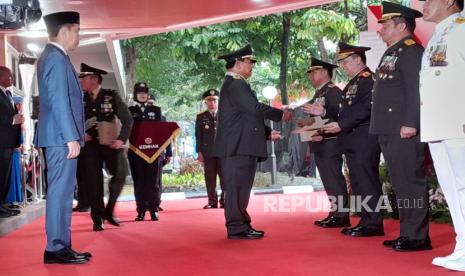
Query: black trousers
{"points": [[5, 172], [95, 156], [146, 179], [328, 160], [212, 168], [83, 187], [238, 173], [160, 180], [405, 163], [362, 153]]}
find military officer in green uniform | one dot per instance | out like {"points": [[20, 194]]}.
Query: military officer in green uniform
{"points": [[360, 148], [103, 105], [205, 127], [395, 118], [328, 155]]}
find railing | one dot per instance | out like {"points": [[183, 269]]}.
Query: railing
{"points": [[32, 176]]}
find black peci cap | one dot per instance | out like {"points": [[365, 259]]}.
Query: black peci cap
{"points": [[87, 70], [392, 10], [346, 50], [58, 19]]}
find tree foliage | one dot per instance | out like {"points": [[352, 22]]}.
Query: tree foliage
{"points": [[179, 66]]}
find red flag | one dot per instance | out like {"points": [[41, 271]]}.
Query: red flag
{"points": [[149, 139]]}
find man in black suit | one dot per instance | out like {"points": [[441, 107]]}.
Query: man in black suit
{"points": [[395, 118], [360, 148], [10, 129], [328, 155], [205, 127], [241, 140]]}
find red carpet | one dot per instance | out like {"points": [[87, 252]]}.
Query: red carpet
{"points": [[190, 241]]}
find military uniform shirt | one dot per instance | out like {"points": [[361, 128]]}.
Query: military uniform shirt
{"points": [[205, 126], [356, 101], [145, 112], [106, 105], [442, 82], [396, 96], [331, 96]]}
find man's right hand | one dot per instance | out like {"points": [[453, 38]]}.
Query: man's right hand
{"points": [[74, 148], [18, 119], [200, 157], [287, 115]]}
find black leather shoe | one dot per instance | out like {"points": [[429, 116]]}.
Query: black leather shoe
{"points": [[210, 206], [160, 209], [154, 216], [113, 221], [81, 254], [81, 209], [334, 222], [63, 256], [363, 231], [318, 222], [5, 214], [408, 245], [140, 216], [246, 235], [258, 232], [98, 227], [391, 243], [348, 231]]}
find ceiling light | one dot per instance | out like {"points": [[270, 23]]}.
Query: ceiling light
{"points": [[33, 47]]}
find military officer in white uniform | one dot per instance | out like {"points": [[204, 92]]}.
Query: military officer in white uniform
{"points": [[442, 113]]}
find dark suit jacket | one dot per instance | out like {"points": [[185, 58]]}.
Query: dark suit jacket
{"points": [[396, 94], [240, 127], [10, 134]]}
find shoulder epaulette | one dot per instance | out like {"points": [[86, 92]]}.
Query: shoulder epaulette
{"points": [[331, 85], [409, 42], [365, 74], [460, 20], [237, 77], [201, 113]]}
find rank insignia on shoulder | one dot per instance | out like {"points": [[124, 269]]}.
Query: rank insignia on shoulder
{"points": [[237, 77], [460, 20], [331, 85], [365, 74], [409, 42]]}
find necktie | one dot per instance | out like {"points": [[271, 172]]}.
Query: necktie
{"points": [[10, 97]]}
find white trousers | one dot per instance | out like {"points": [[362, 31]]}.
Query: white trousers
{"points": [[449, 163]]}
